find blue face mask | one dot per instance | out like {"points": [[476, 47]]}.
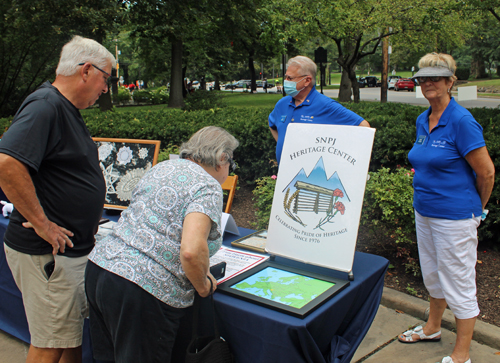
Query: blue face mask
{"points": [[291, 87]]}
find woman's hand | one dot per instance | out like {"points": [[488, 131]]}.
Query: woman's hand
{"points": [[212, 286]]}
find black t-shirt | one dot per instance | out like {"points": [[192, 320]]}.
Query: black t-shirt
{"points": [[49, 136]]}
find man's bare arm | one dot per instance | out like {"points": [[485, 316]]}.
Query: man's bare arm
{"points": [[274, 133], [17, 185]]}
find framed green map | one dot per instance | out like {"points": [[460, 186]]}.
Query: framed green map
{"points": [[292, 291]]}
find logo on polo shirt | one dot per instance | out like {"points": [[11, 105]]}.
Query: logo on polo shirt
{"points": [[438, 143], [305, 118]]}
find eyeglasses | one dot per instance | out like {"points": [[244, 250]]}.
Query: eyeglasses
{"points": [[232, 165], [108, 79], [288, 78], [432, 79]]}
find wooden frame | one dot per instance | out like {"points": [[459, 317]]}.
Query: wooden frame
{"points": [[123, 163], [281, 286], [254, 242]]}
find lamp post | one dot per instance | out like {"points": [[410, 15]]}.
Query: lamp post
{"points": [[117, 62]]}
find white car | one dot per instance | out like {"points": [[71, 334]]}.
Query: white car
{"points": [[392, 83]]}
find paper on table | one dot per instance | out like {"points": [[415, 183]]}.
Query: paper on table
{"points": [[228, 224], [104, 230], [237, 261]]}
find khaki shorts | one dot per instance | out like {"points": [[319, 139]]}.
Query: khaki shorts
{"points": [[55, 307]]}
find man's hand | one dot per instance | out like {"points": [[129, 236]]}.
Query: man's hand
{"points": [[57, 236]]}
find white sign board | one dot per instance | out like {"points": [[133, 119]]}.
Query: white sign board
{"points": [[467, 93], [419, 93], [228, 224], [319, 194]]}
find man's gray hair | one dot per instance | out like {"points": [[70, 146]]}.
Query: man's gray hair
{"points": [[81, 50], [210, 146], [305, 64]]}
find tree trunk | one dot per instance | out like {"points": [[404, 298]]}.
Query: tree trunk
{"points": [[176, 100], [354, 84], [251, 67], [216, 83], [104, 101], [477, 68], [345, 92]]}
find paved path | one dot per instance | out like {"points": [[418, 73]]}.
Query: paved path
{"points": [[397, 313]]}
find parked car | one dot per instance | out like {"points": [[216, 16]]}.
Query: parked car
{"points": [[361, 82], [372, 81], [404, 83], [259, 84], [391, 81]]}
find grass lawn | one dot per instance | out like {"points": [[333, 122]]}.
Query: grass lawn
{"points": [[241, 99]]}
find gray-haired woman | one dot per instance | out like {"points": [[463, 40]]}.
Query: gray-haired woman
{"points": [[140, 279]]}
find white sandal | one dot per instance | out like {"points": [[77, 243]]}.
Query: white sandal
{"points": [[408, 338], [449, 360]]}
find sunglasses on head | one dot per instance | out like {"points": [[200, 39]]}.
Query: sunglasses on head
{"points": [[432, 79], [232, 165]]}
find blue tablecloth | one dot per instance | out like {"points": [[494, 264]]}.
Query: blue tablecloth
{"points": [[331, 333]]}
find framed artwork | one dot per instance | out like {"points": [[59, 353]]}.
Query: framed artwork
{"points": [[283, 288], [123, 163], [255, 241]]}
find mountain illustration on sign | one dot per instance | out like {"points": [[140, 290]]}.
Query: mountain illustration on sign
{"points": [[315, 193]]}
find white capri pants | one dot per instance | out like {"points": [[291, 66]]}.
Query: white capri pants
{"points": [[448, 254]]}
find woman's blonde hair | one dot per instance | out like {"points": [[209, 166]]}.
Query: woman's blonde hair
{"points": [[439, 60]]}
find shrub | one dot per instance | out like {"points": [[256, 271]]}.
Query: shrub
{"points": [[462, 73], [4, 124], [159, 96], [387, 208], [164, 154], [141, 96], [203, 100], [173, 126], [264, 193], [123, 95]]}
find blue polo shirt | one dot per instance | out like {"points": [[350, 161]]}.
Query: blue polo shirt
{"points": [[316, 109], [444, 183]]}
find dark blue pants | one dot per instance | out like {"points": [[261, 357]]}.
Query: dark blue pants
{"points": [[127, 324]]}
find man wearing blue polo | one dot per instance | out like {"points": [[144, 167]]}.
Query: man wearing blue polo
{"points": [[306, 105]]}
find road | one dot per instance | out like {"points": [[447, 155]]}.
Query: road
{"points": [[373, 94]]}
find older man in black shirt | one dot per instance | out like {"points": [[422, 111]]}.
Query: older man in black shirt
{"points": [[50, 172]]}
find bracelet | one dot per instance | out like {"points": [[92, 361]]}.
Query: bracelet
{"points": [[485, 213]]}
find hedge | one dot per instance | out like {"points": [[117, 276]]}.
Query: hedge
{"points": [[395, 124], [172, 127]]}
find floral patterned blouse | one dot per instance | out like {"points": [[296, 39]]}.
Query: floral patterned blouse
{"points": [[144, 246]]}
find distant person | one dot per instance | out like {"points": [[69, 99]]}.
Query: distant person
{"points": [[306, 105], [264, 85], [453, 181], [50, 172], [141, 278]]}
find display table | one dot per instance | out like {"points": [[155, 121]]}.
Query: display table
{"points": [[331, 333]]}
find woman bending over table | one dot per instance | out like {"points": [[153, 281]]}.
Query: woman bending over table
{"points": [[453, 181], [140, 278]]}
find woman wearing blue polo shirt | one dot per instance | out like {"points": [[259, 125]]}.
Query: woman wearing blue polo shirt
{"points": [[453, 181]]}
